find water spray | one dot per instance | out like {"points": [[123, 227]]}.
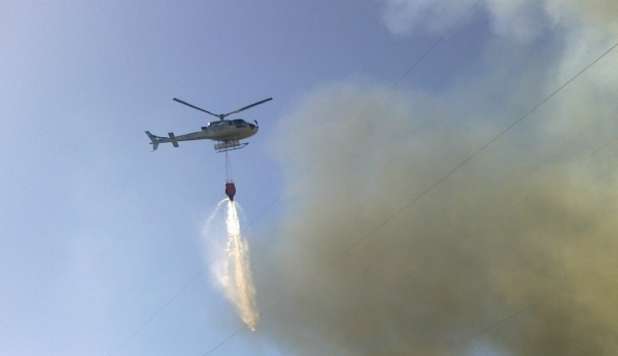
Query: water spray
{"points": [[231, 263], [239, 289]]}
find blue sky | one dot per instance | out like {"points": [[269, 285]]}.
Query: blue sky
{"points": [[98, 232]]}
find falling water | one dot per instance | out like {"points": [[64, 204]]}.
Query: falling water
{"points": [[233, 270]]}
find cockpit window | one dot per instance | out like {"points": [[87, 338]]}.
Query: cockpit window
{"points": [[236, 122]]}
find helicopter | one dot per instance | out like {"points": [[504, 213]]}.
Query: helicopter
{"points": [[227, 133]]}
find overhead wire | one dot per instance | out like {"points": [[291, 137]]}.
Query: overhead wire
{"points": [[223, 341], [414, 200], [434, 45], [463, 163], [482, 148], [155, 313]]}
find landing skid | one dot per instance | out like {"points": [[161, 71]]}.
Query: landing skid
{"points": [[229, 146]]}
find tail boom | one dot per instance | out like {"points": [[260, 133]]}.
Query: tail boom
{"points": [[173, 139]]}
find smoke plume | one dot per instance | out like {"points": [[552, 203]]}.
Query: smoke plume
{"points": [[513, 254], [517, 19]]}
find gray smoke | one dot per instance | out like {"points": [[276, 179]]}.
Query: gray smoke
{"points": [[519, 19], [514, 254]]}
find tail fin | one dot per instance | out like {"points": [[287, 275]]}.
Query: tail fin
{"points": [[154, 140]]}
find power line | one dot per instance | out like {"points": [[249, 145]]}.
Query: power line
{"points": [[434, 45], [395, 84], [457, 167], [417, 198], [496, 324], [155, 313], [166, 304], [429, 50], [481, 149], [223, 341]]}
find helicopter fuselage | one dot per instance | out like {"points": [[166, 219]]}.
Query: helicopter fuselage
{"points": [[225, 130], [222, 130]]}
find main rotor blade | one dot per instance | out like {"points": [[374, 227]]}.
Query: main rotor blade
{"points": [[247, 107], [196, 107]]}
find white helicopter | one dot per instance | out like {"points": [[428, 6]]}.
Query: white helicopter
{"points": [[228, 133]]}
